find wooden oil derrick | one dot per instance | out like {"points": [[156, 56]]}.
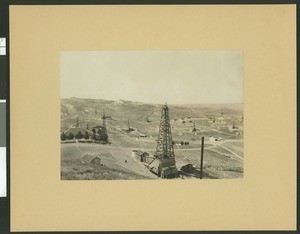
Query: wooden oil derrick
{"points": [[130, 129], [194, 128], [164, 148], [233, 125], [77, 122], [164, 163], [104, 135]]}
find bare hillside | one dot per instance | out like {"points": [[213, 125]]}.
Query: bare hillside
{"points": [[221, 125]]}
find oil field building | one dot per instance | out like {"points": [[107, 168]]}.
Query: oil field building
{"points": [[142, 156]]}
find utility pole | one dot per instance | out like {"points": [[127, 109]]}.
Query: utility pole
{"points": [[201, 160]]}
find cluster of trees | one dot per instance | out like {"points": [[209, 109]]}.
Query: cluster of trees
{"points": [[100, 135], [71, 136]]}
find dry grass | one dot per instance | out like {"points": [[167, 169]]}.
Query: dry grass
{"points": [[219, 162], [75, 170]]}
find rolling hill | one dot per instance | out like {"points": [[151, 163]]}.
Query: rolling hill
{"points": [[223, 159]]}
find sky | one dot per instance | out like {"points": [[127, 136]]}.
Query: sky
{"points": [[175, 77]]}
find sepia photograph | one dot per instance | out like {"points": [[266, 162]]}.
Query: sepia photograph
{"points": [[131, 115], [159, 117]]}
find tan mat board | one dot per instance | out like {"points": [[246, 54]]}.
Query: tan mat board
{"points": [[264, 199]]}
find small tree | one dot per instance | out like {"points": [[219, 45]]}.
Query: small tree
{"points": [[94, 134], [79, 135], [86, 135], [102, 135], [99, 134], [63, 136], [71, 136]]}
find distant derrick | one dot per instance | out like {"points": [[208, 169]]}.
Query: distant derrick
{"points": [[77, 123], [103, 132], [130, 129], [148, 120], [104, 120], [103, 115], [233, 125], [100, 131], [164, 163], [194, 128]]}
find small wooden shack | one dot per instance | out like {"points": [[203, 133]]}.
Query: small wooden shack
{"points": [[96, 161], [142, 156]]}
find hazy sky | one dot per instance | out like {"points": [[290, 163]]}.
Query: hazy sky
{"points": [[176, 77]]}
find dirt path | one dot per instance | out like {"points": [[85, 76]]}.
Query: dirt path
{"points": [[235, 154], [77, 146]]}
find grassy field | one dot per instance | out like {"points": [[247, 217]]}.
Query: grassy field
{"points": [[222, 159], [76, 159]]}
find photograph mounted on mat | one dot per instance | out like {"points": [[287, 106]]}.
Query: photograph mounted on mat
{"points": [[77, 66], [128, 115]]}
